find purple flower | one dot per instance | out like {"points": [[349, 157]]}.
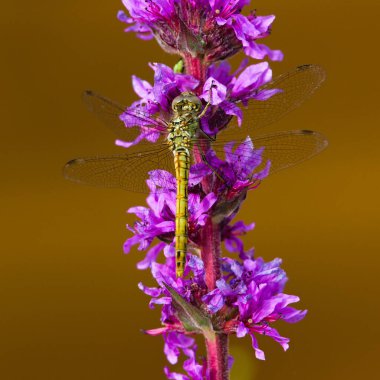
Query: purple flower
{"points": [[230, 235], [191, 289], [194, 370], [240, 171], [174, 343], [154, 100], [255, 288], [239, 166], [250, 291], [248, 30], [141, 29], [158, 221], [213, 29], [227, 91], [230, 89]]}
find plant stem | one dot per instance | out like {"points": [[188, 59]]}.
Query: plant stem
{"points": [[217, 357], [211, 241], [217, 347], [195, 67]]}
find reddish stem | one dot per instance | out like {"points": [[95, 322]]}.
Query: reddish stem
{"points": [[217, 348], [195, 67], [217, 357], [211, 240]]}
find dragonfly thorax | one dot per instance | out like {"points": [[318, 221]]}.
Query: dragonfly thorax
{"points": [[182, 130]]}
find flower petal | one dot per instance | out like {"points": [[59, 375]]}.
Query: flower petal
{"points": [[258, 353], [217, 94]]}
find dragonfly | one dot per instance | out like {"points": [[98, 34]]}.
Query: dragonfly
{"points": [[182, 136]]}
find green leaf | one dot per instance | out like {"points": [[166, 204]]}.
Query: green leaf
{"points": [[192, 318]]}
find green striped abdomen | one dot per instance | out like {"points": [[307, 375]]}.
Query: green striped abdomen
{"points": [[182, 168]]}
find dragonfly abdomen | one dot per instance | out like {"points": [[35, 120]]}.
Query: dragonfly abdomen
{"points": [[182, 169]]}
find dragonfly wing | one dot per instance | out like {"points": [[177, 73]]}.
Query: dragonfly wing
{"points": [[282, 149], [125, 171], [296, 86], [109, 113]]}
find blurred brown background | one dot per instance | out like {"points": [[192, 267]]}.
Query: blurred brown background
{"points": [[70, 307]]}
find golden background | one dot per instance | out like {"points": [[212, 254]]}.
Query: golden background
{"points": [[70, 307]]}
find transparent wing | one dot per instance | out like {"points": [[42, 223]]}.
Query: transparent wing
{"points": [[283, 149], [297, 86], [130, 171], [109, 113], [125, 171]]}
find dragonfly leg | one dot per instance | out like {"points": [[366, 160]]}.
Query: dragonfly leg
{"points": [[208, 102], [207, 135]]}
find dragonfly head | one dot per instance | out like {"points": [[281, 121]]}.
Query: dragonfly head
{"points": [[187, 102]]}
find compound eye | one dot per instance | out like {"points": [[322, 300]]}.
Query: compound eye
{"points": [[196, 102], [176, 103]]}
